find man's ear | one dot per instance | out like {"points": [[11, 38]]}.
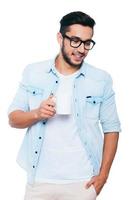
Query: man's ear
{"points": [[59, 38]]}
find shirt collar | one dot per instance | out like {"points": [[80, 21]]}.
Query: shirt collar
{"points": [[51, 68]]}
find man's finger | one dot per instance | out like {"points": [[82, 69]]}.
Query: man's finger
{"points": [[50, 103], [88, 184], [51, 100], [50, 96], [50, 108]]}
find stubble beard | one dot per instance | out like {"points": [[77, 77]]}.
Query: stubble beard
{"points": [[68, 60]]}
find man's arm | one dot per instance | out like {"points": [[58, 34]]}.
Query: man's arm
{"points": [[21, 119], [111, 127], [109, 151]]}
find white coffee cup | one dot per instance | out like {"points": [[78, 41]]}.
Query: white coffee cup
{"points": [[63, 104]]}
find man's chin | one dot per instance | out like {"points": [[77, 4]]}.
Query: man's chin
{"points": [[77, 64], [73, 62]]}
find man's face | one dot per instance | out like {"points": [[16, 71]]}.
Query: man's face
{"points": [[75, 56]]}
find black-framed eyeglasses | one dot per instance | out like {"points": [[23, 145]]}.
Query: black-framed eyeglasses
{"points": [[75, 42]]}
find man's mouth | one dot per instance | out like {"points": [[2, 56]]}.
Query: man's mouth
{"points": [[78, 57]]}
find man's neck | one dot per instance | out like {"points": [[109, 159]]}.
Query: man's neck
{"points": [[63, 67]]}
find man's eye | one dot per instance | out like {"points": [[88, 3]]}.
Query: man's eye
{"points": [[88, 43], [75, 40]]}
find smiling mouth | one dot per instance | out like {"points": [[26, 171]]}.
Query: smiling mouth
{"points": [[78, 57]]}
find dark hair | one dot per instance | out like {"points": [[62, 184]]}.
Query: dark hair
{"points": [[77, 17]]}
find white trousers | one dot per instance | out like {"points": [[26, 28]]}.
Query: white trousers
{"points": [[50, 191]]}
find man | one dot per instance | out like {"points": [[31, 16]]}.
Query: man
{"points": [[63, 102]]}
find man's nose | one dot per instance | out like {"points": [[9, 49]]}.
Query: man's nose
{"points": [[81, 48]]}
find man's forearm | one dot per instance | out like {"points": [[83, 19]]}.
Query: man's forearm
{"points": [[21, 119], [109, 151]]}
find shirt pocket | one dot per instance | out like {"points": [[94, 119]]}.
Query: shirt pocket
{"points": [[35, 96], [93, 106]]}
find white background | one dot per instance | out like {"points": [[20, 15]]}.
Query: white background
{"points": [[28, 34]]}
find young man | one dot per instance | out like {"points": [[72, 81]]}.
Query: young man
{"points": [[63, 102]]}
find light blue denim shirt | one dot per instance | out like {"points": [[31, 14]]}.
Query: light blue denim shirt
{"points": [[94, 110]]}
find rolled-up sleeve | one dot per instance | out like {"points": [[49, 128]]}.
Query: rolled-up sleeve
{"points": [[108, 112], [20, 100]]}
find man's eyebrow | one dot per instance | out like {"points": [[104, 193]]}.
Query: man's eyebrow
{"points": [[76, 37]]}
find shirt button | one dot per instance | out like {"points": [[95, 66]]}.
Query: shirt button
{"points": [[44, 122], [33, 166], [33, 92], [36, 152], [56, 81], [94, 102], [40, 137]]}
